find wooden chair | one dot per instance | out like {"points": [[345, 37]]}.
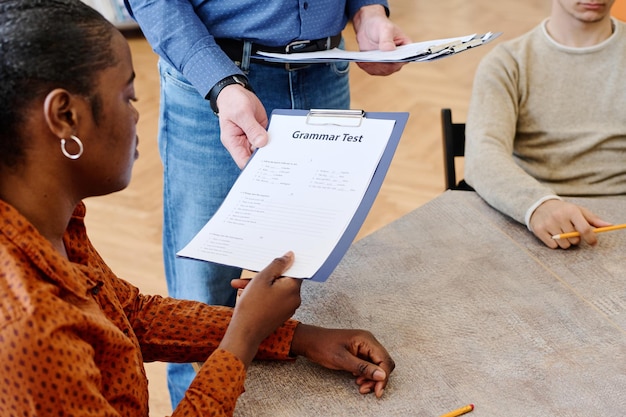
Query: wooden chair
{"points": [[453, 147]]}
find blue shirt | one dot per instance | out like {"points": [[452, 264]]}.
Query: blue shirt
{"points": [[182, 32]]}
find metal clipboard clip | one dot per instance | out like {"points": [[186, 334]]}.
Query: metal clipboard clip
{"points": [[465, 45], [438, 48], [320, 117], [459, 45]]}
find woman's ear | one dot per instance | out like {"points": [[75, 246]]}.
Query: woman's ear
{"points": [[61, 113]]}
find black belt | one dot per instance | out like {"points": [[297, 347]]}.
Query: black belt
{"points": [[234, 49]]}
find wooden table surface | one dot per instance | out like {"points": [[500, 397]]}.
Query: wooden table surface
{"points": [[473, 309]]}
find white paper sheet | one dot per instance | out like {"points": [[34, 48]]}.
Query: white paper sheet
{"points": [[297, 193], [414, 51]]}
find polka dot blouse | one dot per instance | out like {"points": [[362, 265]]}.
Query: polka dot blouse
{"points": [[73, 336]]}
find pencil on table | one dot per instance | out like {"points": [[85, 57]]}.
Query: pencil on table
{"points": [[596, 230], [459, 411]]}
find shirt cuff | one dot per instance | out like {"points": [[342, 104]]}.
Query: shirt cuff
{"points": [[537, 203], [278, 345]]}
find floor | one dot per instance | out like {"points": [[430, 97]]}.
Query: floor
{"points": [[126, 226]]}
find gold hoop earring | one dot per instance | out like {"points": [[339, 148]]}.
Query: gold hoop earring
{"points": [[75, 155]]}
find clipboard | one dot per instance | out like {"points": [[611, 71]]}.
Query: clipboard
{"points": [[374, 187], [415, 52], [223, 240]]}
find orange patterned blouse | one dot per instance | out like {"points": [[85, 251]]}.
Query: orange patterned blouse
{"points": [[73, 336]]}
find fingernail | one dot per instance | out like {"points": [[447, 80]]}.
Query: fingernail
{"points": [[378, 374], [258, 141]]}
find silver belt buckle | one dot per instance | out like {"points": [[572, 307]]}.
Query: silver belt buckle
{"points": [[295, 45], [293, 48]]}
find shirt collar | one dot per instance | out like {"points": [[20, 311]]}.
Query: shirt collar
{"points": [[67, 274]]}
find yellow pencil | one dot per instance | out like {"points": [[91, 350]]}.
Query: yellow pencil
{"points": [[459, 411], [596, 230]]}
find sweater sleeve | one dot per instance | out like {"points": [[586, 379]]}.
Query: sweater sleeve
{"points": [[491, 125]]}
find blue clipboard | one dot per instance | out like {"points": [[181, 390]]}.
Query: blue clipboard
{"points": [[351, 116]]}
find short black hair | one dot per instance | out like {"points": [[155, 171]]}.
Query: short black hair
{"points": [[47, 44]]}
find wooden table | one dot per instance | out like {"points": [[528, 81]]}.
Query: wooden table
{"points": [[473, 309]]}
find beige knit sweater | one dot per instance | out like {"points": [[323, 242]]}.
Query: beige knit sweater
{"points": [[547, 119]]}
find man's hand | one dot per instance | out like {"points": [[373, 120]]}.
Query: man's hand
{"points": [[554, 217], [355, 351], [374, 31], [243, 122]]}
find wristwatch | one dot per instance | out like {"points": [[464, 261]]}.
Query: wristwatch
{"points": [[217, 88]]}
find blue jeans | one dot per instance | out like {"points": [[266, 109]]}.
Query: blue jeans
{"points": [[199, 172]]}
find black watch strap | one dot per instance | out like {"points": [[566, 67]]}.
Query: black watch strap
{"points": [[217, 88]]}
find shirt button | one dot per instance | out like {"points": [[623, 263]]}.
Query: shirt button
{"points": [[305, 5], [96, 289]]}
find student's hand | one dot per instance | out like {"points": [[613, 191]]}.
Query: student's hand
{"points": [[374, 31], [554, 217], [243, 122], [355, 351], [266, 303]]}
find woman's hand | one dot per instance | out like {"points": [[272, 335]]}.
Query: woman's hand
{"points": [[355, 351], [267, 301]]}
